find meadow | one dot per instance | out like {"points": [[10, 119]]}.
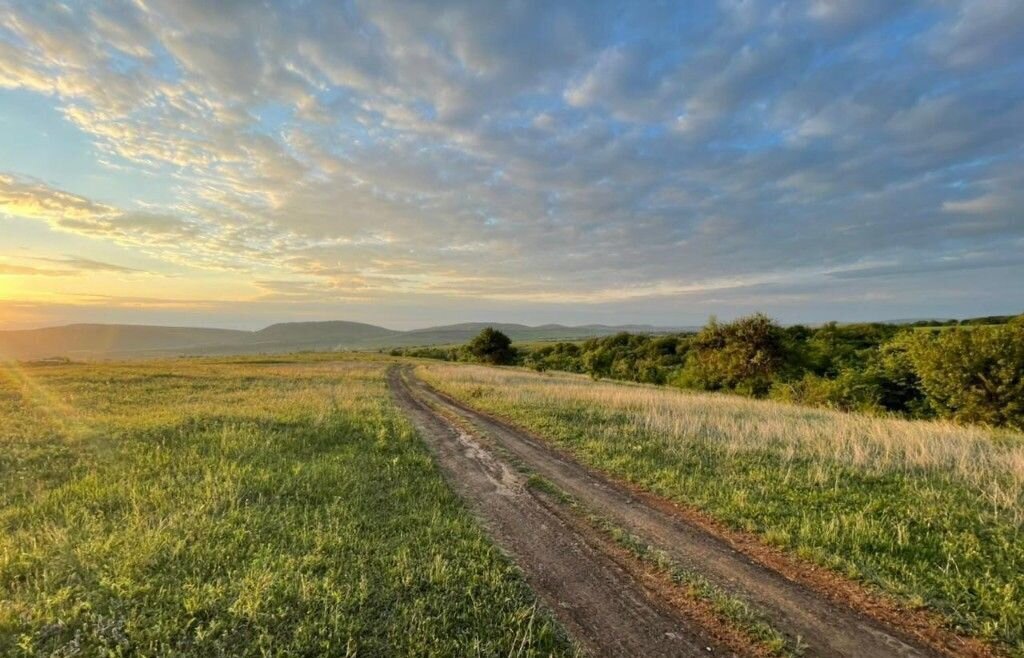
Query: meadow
{"points": [[926, 511], [239, 507]]}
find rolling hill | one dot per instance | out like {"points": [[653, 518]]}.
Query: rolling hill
{"points": [[81, 340], [99, 341]]}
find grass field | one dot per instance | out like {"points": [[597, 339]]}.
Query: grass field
{"points": [[930, 512], [242, 507]]}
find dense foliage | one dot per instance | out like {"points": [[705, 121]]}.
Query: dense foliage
{"points": [[968, 370], [745, 356], [974, 376], [492, 346]]}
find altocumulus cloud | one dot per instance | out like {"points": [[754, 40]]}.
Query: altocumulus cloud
{"points": [[544, 153]]}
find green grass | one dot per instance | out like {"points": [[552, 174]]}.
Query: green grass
{"points": [[731, 609], [205, 508], [929, 512]]}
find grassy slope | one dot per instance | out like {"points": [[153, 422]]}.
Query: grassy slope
{"points": [[930, 512], [261, 508]]}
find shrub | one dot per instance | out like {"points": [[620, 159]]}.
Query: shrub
{"points": [[492, 346], [744, 355], [970, 372], [896, 382], [560, 356], [973, 375]]}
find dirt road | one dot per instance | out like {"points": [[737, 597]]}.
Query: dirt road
{"points": [[598, 602], [562, 568]]}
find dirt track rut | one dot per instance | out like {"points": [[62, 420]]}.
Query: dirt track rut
{"points": [[826, 627], [599, 603]]}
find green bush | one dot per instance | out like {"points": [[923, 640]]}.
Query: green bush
{"points": [[743, 356], [560, 356], [897, 385], [492, 346], [974, 375], [966, 371]]}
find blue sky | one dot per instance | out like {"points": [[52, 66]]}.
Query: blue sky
{"points": [[239, 163]]}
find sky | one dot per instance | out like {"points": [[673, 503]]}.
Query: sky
{"points": [[238, 163]]}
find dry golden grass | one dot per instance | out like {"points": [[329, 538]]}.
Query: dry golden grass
{"points": [[992, 461]]}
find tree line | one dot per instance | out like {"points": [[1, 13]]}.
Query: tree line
{"points": [[968, 371]]}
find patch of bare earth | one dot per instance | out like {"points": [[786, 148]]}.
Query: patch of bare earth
{"points": [[830, 615]]}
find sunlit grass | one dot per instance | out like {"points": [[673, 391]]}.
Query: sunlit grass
{"points": [[241, 507], [931, 512]]}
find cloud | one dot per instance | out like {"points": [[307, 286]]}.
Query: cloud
{"points": [[29, 199], [88, 265], [64, 267], [951, 264], [34, 200], [981, 204], [28, 270], [980, 34], [294, 290], [545, 153]]}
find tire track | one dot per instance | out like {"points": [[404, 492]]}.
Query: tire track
{"points": [[605, 610], [826, 626]]}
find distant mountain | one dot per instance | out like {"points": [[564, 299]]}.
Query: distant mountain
{"points": [[322, 331], [84, 340], [91, 341]]}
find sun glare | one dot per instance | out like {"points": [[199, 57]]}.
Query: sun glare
{"points": [[51, 405]]}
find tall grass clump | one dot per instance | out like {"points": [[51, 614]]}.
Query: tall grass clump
{"points": [[203, 508], [928, 511]]}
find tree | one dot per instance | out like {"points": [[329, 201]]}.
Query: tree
{"points": [[744, 355], [891, 372], [492, 346], [973, 375]]}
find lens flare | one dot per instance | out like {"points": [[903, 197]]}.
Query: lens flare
{"points": [[19, 379]]}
